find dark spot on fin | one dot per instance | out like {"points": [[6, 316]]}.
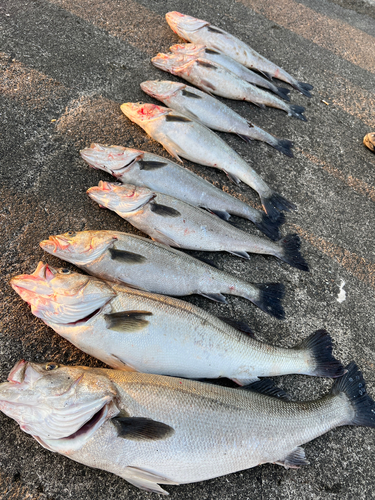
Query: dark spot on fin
{"points": [[164, 211], [127, 321], [176, 118], [187, 93], [211, 51], [214, 30], [151, 165], [238, 325], [217, 297], [267, 387], [126, 257], [294, 460], [141, 429], [243, 255]]}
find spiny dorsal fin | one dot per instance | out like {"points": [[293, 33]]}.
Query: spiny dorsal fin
{"points": [[127, 321], [268, 388], [126, 257], [141, 429]]}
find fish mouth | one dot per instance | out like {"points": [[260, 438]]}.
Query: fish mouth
{"points": [[111, 159]]}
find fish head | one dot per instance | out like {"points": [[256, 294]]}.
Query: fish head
{"points": [[184, 25], [79, 247], [125, 199], [171, 62], [111, 159], [141, 113], [187, 49], [161, 89], [61, 295], [53, 402]]}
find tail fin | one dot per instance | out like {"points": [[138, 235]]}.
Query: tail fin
{"points": [[353, 385], [284, 146], [270, 227], [319, 345], [270, 297], [303, 88], [283, 93], [274, 203], [297, 111], [290, 246]]}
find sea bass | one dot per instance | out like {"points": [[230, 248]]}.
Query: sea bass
{"points": [[141, 263], [184, 137], [211, 112], [137, 330], [230, 64], [132, 166], [177, 224], [153, 430], [201, 32], [214, 78]]}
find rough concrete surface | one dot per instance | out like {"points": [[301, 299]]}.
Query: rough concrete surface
{"points": [[66, 66]]}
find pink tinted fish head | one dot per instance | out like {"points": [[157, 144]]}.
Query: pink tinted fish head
{"points": [[141, 113], [161, 89], [170, 62], [111, 159], [187, 49], [61, 295], [183, 25], [124, 199], [53, 402], [79, 247]]}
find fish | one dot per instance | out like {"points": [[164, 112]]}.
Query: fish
{"points": [[213, 78], [178, 224], [211, 112], [230, 64], [203, 33], [184, 137], [141, 263], [140, 331], [132, 166], [153, 430]]}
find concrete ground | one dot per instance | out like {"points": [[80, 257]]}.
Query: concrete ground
{"points": [[66, 66]]}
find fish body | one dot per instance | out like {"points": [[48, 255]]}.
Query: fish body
{"points": [[141, 263], [153, 430], [214, 78], [138, 330], [177, 224], [231, 65], [204, 108], [203, 33], [184, 137], [140, 168]]}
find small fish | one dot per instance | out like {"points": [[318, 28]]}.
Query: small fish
{"points": [[184, 137], [142, 263], [211, 112], [177, 224], [132, 166], [153, 430], [203, 33], [231, 65], [215, 79], [142, 331]]}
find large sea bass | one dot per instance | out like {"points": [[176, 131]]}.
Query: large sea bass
{"points": [[134, 330], [201, 32], [153, 430], [184, 137]]}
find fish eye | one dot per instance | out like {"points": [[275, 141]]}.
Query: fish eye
{"points": [[51, 366], [71, 233], [64, 270]]}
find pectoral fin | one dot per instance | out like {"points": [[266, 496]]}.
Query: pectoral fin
{"points": [[127, 321], [141, 429], [146, 480]]}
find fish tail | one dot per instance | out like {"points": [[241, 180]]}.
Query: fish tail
{"points": [[270, 227], [319, 347], [283, 93], [353, 385], [297, 111], [284, 146], [269, 299], [256, 133], [273, 203], [303, 88], [290, 253]]}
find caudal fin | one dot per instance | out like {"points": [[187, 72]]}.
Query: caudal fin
{"points": [[270, 297], [290, 253], [353, 385], [283, 93], [319, 346], [284, 146], [297, 111], [274, 203], [270, 227], [303, 88]]}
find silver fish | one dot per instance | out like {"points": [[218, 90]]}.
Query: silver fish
{"points": [[153, 430], [230, 64], [142, 263], [177, 224], [142, 331], [211, 112], [132, 166], [184, 137], [214, 78], [201, 32]]}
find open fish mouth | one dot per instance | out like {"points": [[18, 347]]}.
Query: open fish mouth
{"points": [[112, 159]]}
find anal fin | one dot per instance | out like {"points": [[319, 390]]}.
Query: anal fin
{"points": [[217, 297], [294, 460], [233, 177], [243, 255], [245, 381]]}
